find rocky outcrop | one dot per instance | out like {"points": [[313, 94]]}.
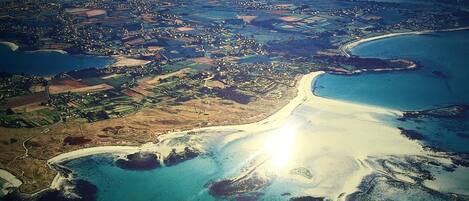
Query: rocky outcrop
{"points": [[411, 134], [139, 161], [175, 158]]}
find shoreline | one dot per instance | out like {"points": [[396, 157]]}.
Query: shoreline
{"points": [[305, 92], [12, 46], [303, 89], [280, 114], [305, 98], [48, 50], [10, 180], [345, 49]]}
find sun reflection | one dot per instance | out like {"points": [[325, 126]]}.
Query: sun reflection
{"points": [[280, 146]]}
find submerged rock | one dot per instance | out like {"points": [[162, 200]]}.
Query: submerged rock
{"points": [[307, 198], [453, 111], [238, 186], [411, 134], [139, 161], [301, 171], [381, 187], [440, 74]]}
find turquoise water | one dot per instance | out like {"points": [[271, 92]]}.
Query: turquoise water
{"points": [[444, 52], [411, 90], [46, 63], [189, 180], [185, 181]]}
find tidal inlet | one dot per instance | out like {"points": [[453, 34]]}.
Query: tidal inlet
{"points": [[320, 100]]}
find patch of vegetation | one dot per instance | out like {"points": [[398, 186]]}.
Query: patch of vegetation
{"points": [[32, 119]]}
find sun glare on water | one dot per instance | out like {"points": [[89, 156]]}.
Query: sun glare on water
{"points": [[280, 146]]}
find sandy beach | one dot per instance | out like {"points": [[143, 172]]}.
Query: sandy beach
{"points": [[330, 134], [50, 50], [323, 113], [10, 181], [11, 45], [345, 49], [281, 115]]}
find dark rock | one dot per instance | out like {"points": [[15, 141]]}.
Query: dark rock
{"points": [[461, 159], [411, 134], [139, 161], [439, 74], [71, 140], [301, 171], [175, 158], [244, 184], [453, 111]]}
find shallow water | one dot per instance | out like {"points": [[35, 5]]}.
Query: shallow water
{"points": [[445, 52], [46, 62], [338, 145], [336, 157], [411, 90]]}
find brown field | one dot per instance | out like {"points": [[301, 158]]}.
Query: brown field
{"points": [[84, 89], [65, 85], [141, 127], [135, 95], [26, 100], [122, 61], [141, 90], [94, 88], [155, 80], [289, 19], [182, 29], [203, 60], [214, 84]]}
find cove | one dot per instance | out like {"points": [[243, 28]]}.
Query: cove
{"points": [[442, 80], [43, 63]]}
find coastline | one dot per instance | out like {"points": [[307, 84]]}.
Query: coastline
{"points": [[10, 179], [49, 50], [304, 93], [354, 145], [346, 48], [281, 114], [12, 46], [304, 96]]}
